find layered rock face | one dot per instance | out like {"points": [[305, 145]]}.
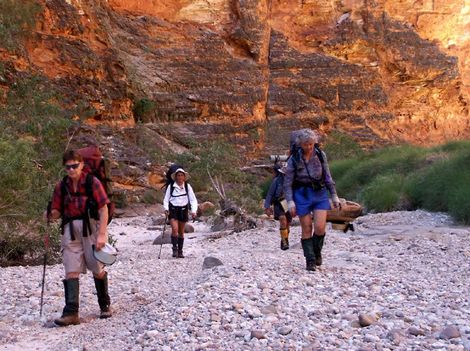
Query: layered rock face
{"points": [[381, 71]]}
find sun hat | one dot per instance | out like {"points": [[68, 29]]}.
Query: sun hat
{"points": [[106, 255], [173, 175]]}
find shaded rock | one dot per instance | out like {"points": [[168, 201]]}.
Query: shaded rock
{"points": [[285, 330], [162, 239], [450, 332], [188, 228], [367, 319], [206, 208], [258, 334], [210, 262], [416, 331]]}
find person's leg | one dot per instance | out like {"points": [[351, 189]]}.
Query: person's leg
{"points": [[74, 263], [181, 226], [284, 231], [104, 301], [174, 236], [319, 218], [307, 241]]}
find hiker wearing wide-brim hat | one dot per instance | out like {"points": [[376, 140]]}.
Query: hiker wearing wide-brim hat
{"points": [[81, 234], [306, 186], [178, 202], [275, 203]]}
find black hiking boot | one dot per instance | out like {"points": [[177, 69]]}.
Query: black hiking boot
{"points": [[307, 246], [174, 242], [317, 248], [180, 247], [310, 265], [70, 312], [284, 244], [104, 301]]}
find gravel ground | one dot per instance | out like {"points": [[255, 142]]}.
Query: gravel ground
{"points": [[400, 281]]}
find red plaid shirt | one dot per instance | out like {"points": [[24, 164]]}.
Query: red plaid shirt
{"points": [[74, 203]]}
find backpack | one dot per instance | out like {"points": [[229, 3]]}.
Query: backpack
{"points": [[98, 166], [170, 182]]}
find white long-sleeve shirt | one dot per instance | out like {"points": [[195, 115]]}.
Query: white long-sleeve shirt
{"points": [[179, 197]]}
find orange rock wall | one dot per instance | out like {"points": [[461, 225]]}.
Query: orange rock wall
{"points": [[250, 70]]}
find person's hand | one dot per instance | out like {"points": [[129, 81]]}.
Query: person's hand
{"points": [[100, 241], [167, 213], [46, 241], [336, 202], [293, 212], [268, 211], [193, 215]]}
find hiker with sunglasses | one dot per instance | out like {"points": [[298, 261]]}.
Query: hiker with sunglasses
{"points": [[306, 186], [80, 233]]}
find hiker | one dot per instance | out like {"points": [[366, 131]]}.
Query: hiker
{"points": [[79, 234], [178, 202], [275, 198], [306, 185]]}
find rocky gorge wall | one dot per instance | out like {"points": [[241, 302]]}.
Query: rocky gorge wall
{"points": [[381, 71]]}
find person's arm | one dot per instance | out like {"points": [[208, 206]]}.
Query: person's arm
{"points": [[166, 199], [192, 201], [288, 181], [56, 204], [102, 227], [330, 183], [269, 196]]}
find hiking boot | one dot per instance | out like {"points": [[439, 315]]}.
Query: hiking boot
{"points": [[284, 244], [317, 248], [104, 301], [70, 313], [174, 242], [180, 247], [310, 265]]}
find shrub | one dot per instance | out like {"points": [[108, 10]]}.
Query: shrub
{"points": [[383, 193], [144, 110], [17, 18]]}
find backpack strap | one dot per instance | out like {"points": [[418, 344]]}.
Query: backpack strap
{"points": [[185, 188], [319, 153]]}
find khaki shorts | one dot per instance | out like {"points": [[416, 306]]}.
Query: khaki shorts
{"points": [[78, 254]]}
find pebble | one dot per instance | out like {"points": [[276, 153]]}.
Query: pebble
{"points": [[390, 276]]}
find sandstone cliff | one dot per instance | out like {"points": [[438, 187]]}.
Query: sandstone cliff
{"points": [[381, 71]]}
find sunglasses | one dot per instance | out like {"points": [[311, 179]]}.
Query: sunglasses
{"points": [[73, 166]]}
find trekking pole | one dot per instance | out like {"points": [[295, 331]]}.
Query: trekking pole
{"points": [[46, 246], [163, 235]]}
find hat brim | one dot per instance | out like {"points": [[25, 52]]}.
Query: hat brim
{"points": [[107, 255], [179, 170]]}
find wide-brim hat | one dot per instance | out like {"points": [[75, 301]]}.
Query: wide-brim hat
{"points": [[107, 255], [179, 170]]}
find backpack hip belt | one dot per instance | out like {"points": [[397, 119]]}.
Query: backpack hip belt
{"points": [[69, 220]]}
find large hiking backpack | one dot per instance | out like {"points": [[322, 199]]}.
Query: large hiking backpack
{"points": [[97, 165]]}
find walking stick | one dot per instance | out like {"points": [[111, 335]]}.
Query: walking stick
{"points": [[163, 235], [46, 246]]}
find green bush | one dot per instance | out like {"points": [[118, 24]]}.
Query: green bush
{"points": [[340, 146], [383, 193], [144, 110], [33, 133], [222, 161], [17, 18], [403, 178]]}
